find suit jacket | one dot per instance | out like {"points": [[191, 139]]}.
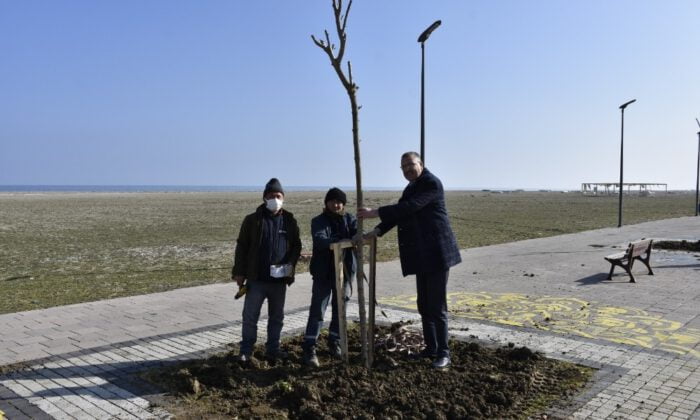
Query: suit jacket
{"points": [[426, 241]]}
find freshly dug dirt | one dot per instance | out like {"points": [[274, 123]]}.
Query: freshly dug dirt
{"points": [[681, 245], [481, 383]]}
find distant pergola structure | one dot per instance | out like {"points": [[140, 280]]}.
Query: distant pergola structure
{"points": [[611, 188]]}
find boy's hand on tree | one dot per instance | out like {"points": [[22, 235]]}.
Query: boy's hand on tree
{"points": [[371, 234], [357, 239]]}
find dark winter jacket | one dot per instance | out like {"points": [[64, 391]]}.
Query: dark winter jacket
{"points": [[426, 240], [246, 260], [326, 229]]}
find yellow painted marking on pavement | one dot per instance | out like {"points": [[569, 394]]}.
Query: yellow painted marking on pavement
{"points": [[567, 315], [2, 415]]}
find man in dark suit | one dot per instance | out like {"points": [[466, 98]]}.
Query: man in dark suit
{"points": [[427, 248]]}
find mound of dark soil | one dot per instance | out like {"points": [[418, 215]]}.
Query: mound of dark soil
{"points": [[482, 382], [678, 245]]}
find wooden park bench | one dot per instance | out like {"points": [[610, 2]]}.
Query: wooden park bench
{"points": [[639, 250]]}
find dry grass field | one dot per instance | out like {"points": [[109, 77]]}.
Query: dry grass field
{"points": [[63, 248]]}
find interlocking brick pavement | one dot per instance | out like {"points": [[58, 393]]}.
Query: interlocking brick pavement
{"points": [[79, 361]]}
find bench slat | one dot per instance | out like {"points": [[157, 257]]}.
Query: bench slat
{"points": [[640, 247], [618, 256]]}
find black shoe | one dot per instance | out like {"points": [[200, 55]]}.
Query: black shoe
{"points": [[424, 354], [310, 359], [334, 350], [442, 362], [277, 355], [244, 358]]}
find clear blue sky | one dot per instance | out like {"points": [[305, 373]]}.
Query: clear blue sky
{"points": [[520, 94]]}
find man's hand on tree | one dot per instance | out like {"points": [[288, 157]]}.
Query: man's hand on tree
{"points": [[371, 234], [367, 213]]}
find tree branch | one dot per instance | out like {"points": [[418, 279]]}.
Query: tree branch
{"points": [[328, 41], [340, 27], [345, 18], [327, 46], [322, 46]]}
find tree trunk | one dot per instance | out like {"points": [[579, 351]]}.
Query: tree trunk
{"points": [[341, 19], [360, 228]]}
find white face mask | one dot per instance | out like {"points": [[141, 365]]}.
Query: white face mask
{"points": [[274, 204]]}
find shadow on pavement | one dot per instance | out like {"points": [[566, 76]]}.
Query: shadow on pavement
{"points": [[601, 278], [121, 378]]}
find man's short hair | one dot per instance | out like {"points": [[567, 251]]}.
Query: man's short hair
{"points": [[408, 155]]}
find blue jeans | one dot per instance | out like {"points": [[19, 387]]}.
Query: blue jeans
{"points": [[275, 293], [322, 291], [432, 307]]}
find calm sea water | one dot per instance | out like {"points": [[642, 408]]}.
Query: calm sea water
{"points": [[144, 188], [211, 188]]}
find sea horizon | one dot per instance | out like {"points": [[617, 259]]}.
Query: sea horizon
{"points": [[44, 188], [218, 188], [169, 188]]}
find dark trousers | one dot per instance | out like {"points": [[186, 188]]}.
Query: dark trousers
{"points": [[322, 293], [258, 291], [432, 307]]}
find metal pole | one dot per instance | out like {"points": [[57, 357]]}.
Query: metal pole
{"points": [[697, 180], [622, 150], [422, 38], [422, 102]]}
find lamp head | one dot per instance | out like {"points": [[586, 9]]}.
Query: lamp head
{"points": [[426, 33], [623, 106]]}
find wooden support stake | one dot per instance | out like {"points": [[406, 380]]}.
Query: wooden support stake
{"points": [[372, 299], [340, 296], [368, 342]]}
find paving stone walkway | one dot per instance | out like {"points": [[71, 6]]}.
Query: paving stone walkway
{"points": [[549, 294]]}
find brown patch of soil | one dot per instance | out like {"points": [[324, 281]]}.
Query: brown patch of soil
{"points": [[14, 367], [482, 382]]}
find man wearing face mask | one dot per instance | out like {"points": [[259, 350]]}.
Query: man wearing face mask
{"points": [[427, 248], [267, 251], [333, 225]]}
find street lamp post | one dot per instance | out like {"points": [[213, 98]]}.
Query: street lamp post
{"points": [[697, 176], [422, 38], [622, 150]]}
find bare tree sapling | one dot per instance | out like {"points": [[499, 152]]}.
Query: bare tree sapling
{"points": [[336, 57]]}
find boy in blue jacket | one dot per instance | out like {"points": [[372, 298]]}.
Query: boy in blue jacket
{"points": [[331, 226]]}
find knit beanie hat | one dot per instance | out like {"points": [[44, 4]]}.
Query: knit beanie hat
{"points": [[336, 194], [273, 185]]}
